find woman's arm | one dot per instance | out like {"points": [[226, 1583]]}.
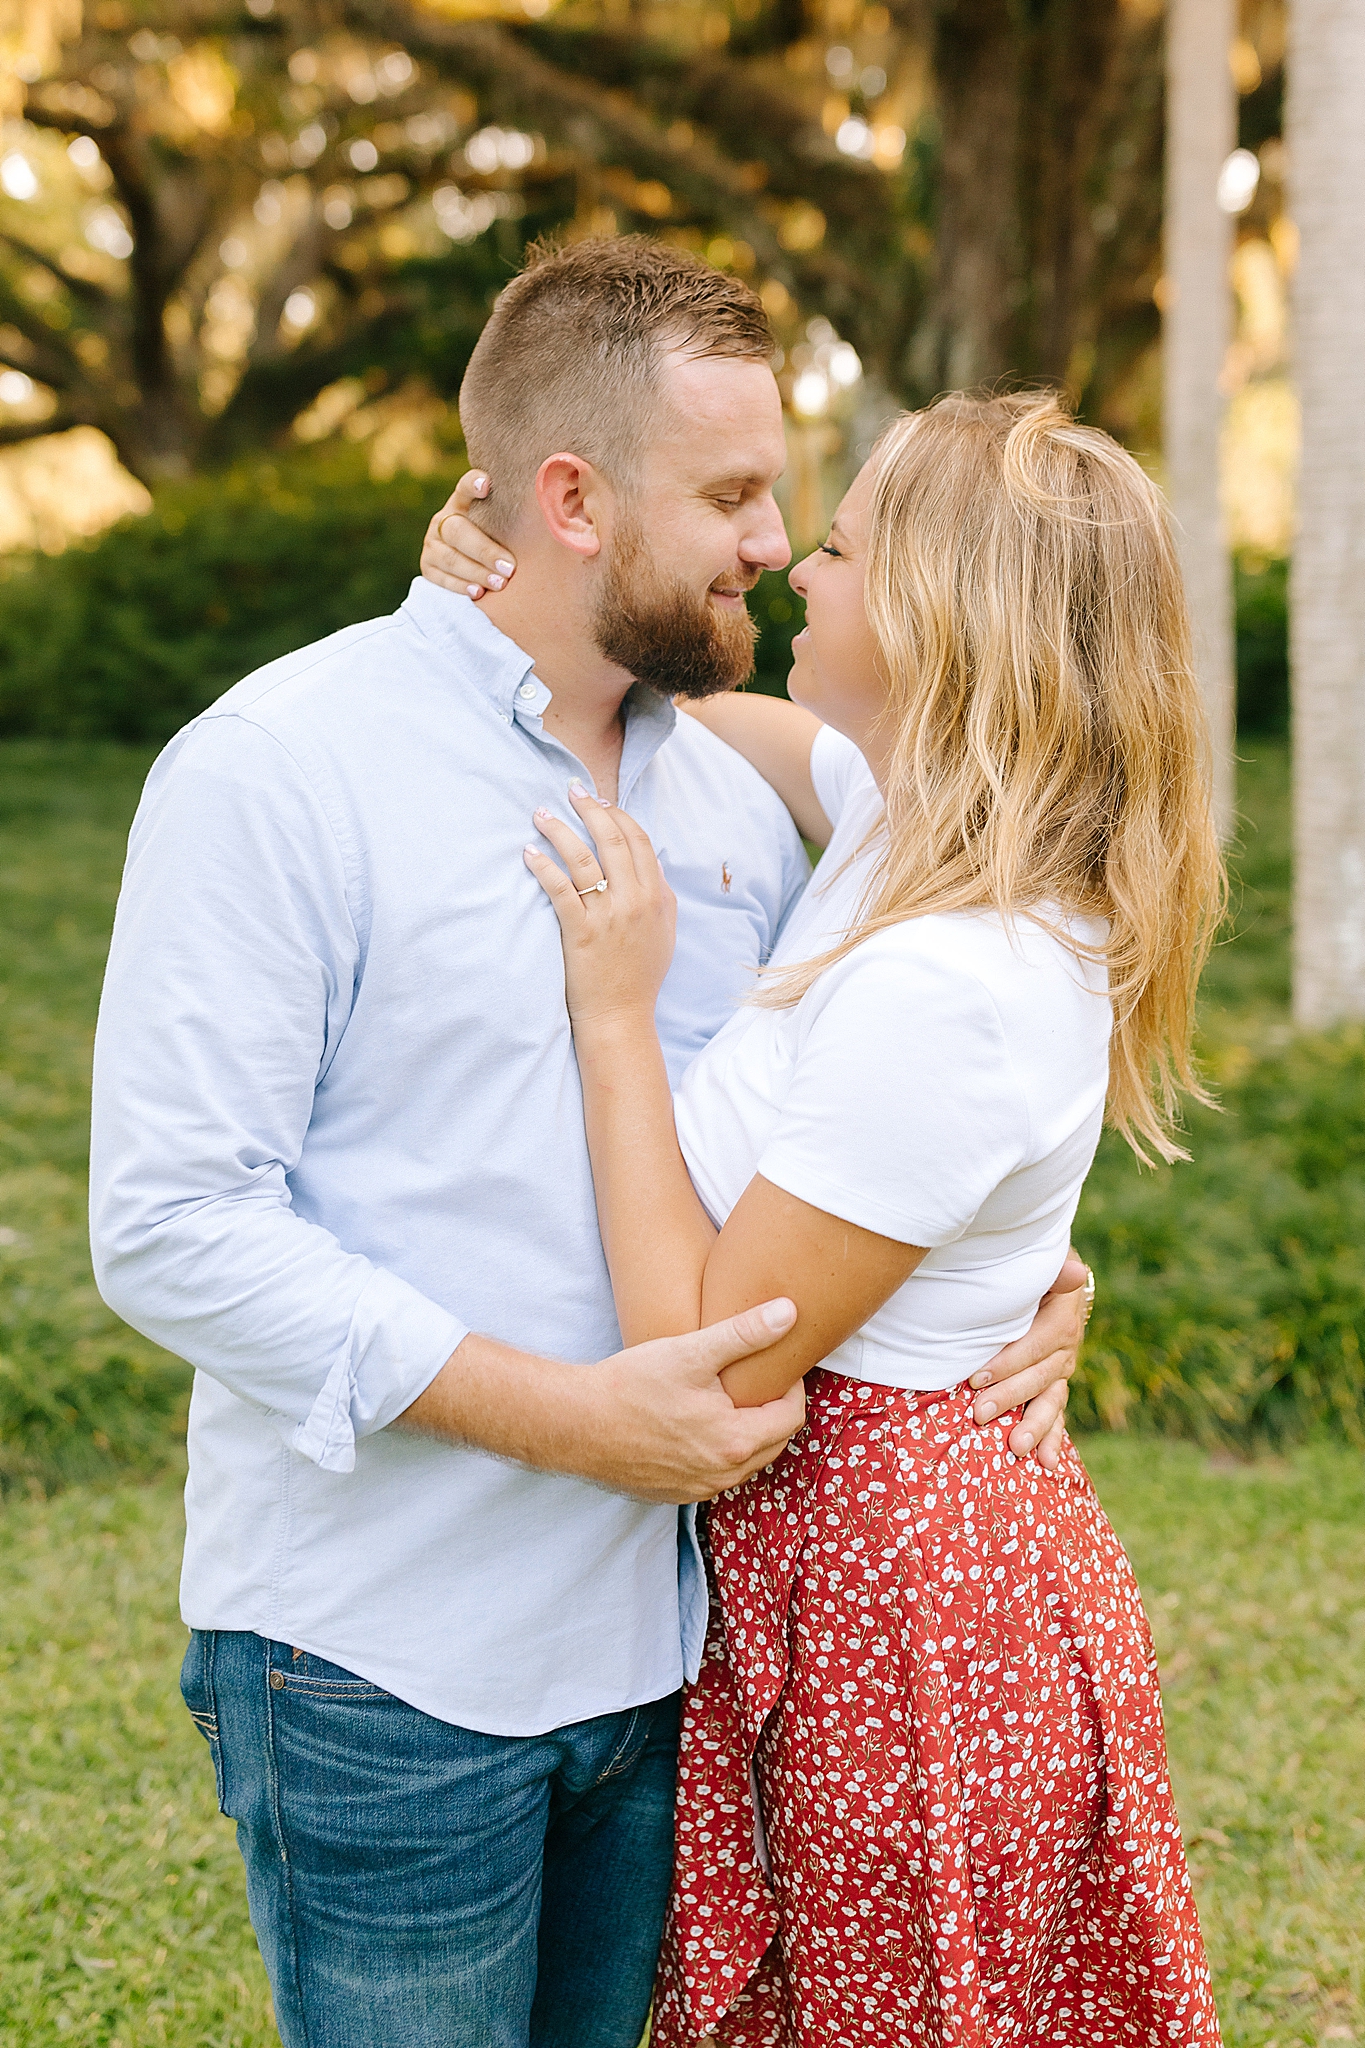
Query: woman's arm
{"points": [[670, 1269], [774, 737]]}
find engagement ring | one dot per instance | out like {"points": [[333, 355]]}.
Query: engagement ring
{"points": [[595, 890]]}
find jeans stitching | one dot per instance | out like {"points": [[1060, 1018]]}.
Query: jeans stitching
{"points": [[273, 1783], [208, 1643], [619, 1759], [334, 1688]]}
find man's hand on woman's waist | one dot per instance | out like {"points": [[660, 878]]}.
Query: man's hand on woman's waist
{"points": [[1034, 1371]]}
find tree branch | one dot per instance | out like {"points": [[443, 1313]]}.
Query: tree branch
{"points": [[484, 55], [34, 430], [39, 116], [81, 288], [51, 362]]}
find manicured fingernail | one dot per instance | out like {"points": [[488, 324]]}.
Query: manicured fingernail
{"points": [[541, 813], [532, 851], [576, 788], [981, 1379], [495, 582], [985, 1411], [779, 1315], [504, 568], [605, 802], [474, 589], [481, 484]]}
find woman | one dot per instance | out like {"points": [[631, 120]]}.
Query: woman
{"points": [[923, 1792]]}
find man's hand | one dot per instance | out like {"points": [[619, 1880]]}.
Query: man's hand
{"points": [[653, 1421], [666, 1430], [1033, 1372]]}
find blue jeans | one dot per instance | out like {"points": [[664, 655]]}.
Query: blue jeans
{"points": [[418, 1885]]}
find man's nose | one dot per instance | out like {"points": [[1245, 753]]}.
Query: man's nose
{"points": [[765, 544]]}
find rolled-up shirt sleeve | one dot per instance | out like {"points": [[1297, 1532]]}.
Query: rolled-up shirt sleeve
{"points": [[237, 950]]}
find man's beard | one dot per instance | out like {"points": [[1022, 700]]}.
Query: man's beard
{"points": [[662, 633]]}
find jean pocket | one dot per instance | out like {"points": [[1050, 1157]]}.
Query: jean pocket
{"points": [[196, 1689], [311, 1677], [629, 1748]]}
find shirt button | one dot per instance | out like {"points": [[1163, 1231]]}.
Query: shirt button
{"points": [[527, 690], [506, 717], [277, 1681]]}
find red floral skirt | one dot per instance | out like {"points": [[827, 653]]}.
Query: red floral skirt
{"points": [[931, 1661]]}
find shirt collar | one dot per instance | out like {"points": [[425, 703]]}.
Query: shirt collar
{"points": [[492, 663], [650, 719], [505, 674]]}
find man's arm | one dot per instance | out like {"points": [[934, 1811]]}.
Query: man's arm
{"points": [[230, 981], [654, 1421]]}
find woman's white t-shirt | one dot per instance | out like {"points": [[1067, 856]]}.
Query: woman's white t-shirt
{"points": [[943, 1085]]}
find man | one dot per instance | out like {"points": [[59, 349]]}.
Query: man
{"points": [[439, 1608]]}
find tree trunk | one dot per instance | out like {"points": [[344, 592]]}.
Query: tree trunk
{"points": [[1325, 134], [1201, 128], [1068, 70], [1043, 122], [966, 339]]}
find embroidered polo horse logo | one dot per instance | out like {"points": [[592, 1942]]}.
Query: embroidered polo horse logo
{"points": [[725, 878]]}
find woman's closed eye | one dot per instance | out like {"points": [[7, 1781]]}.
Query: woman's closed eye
{"points": [[827, 547]]}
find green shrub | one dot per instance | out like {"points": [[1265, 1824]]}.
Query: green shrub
{"points": [[1262, 594], [780, 614], [1232, 1302], [129, 637], [1232, 1286], [132, 635]]}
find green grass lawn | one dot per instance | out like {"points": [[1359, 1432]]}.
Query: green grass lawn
{"points": [[123, 1918], [79, 1392], [1233, 1291]]}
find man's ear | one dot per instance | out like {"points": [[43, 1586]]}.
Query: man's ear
{"points": [[574, 499]]}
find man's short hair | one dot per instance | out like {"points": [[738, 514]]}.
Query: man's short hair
{"points": [[570, 357]]}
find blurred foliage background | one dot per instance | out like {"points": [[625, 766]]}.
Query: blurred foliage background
{"points": [[245, 249], [242, 229]]}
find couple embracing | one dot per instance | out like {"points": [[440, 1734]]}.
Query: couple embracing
{"points": [[524, 1149]]}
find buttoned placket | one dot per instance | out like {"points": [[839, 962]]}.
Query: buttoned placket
{"points": [[649, 721], [507, 675]]}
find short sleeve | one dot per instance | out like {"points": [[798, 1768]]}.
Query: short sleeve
{"points": [[904, 1111], [838, 772]]}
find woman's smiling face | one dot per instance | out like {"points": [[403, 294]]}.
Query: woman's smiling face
{"points": [[836, 670]]}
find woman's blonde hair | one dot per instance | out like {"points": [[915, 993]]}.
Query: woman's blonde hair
{"points": [[1049, 747]]}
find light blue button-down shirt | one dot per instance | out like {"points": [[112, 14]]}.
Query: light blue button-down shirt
{"points": [[337, 1125]]}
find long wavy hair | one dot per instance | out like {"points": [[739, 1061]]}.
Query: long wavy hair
{"points": [[1049, 756]]}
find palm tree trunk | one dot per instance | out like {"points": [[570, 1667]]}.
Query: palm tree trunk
{"points": [[1325, 133], [1201, 128]]}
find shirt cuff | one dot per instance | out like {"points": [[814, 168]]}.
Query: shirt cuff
{"points": [[397, 1343]]}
